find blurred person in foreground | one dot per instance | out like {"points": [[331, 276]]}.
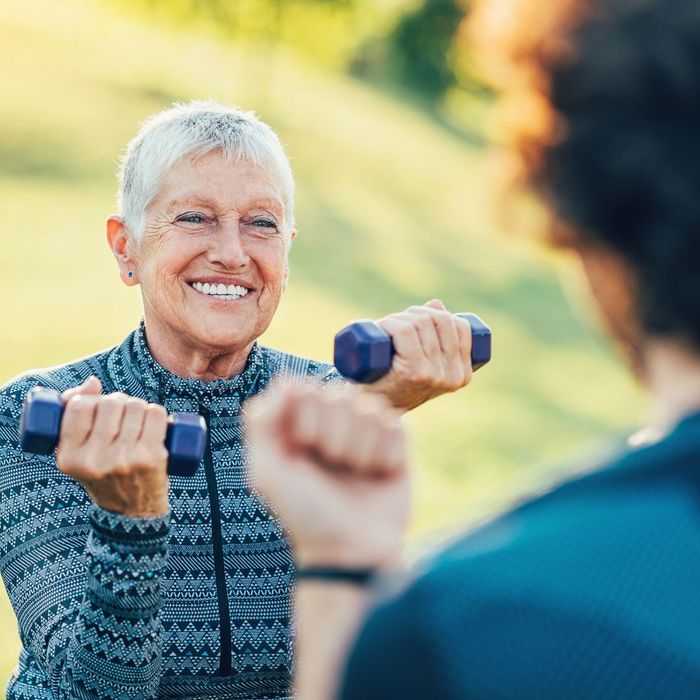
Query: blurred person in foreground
{"points": [[127, 584], [590, 590]]}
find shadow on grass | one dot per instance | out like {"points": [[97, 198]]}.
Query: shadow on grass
{"points": [[422, 105], [340, 262]]}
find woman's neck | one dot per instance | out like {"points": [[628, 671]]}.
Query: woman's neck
{"points": [[172, 351], [672, 374]]}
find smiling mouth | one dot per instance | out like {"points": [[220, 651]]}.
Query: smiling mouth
{"points": [[229, 292]]}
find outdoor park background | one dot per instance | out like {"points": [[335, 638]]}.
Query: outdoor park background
{"points": [[386, 125]]}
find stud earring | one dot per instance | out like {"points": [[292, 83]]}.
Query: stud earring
{"points": [[130, 274]]}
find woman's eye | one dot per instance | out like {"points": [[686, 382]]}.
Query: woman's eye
{"points": [[265, 223], [192, 218]]}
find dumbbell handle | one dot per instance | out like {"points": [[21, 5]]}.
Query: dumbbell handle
{"points": [[364, 351], [40, 428]]}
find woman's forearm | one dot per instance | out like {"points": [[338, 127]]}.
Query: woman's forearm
{"points": [[328, 615], [115, 646]]}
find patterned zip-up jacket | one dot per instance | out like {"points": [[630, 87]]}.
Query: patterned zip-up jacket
{"points": [[195, 604]]}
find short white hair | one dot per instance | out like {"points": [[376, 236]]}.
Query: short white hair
{"points": [[190, 130]]}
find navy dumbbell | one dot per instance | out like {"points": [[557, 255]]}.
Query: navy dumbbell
{"points": [[364, 351], [40, 428]]}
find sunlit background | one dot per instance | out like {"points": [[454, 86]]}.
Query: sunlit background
{"points": [[387, 126]]}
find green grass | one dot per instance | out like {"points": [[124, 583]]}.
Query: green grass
{"points": [[392, 210]]}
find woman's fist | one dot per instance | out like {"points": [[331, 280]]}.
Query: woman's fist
{"points": [[333, 465], [432, 355], [114, 445]]}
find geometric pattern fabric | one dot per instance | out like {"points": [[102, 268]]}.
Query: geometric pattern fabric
{"points": [[113, 607]]}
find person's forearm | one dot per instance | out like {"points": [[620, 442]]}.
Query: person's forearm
{"points": [[117, 624], [126, 557], [327, 615]]}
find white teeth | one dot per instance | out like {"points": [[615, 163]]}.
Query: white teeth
{"points": [[231, 291]]}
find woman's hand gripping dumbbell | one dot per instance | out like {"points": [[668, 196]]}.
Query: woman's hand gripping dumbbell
{"points": [[416, 355], [118, 447]]}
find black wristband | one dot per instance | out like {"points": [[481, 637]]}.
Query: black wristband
{"points": [[359, 577]]}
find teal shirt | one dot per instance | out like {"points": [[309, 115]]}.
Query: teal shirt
{"points": [[590, 591]]}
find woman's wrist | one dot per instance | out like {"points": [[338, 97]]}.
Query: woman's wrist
{"points": [[111, 522], [342, 565], [152, 508], [337, 575]]}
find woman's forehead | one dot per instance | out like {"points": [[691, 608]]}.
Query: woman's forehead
{"points": [[216, 181], [202, 197]]}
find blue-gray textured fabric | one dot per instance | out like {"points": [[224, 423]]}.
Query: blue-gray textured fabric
{"points": [[124, 608], [590, 591]]}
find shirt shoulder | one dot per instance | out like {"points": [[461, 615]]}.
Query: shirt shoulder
{"points": [[297, 367], [600, 572], [60, 378]]}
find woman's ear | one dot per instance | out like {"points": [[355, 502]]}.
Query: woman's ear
{"points": [[285, 280], [121, 247]]}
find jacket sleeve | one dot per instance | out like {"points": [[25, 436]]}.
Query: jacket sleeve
{"points": [[84, 583]]}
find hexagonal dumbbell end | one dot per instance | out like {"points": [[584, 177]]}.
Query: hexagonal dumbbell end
{"points": [[185, 441], [363, 351], [40, 427], [481, 340], [40, 424]]}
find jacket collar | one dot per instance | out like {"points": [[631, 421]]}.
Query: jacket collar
{"points": [[136, 372]]}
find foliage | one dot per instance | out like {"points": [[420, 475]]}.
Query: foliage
{"points": [[328, 31], [423, 43]]}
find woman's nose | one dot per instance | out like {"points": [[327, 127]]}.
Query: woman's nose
{"points": [[228, 247]]}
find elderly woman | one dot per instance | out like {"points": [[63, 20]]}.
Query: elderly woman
{"points": [[125, 584]]}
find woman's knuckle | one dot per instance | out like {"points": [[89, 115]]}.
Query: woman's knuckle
{"points": [[77, 410], [424, 323], [406, 332], [140, 454], [436, 381], [157, 411], [421, 376], [453, 378], [64, 463], [72, 460], [121, 469], [94, 475], [112, 400], [433, 373], [135, 405]]}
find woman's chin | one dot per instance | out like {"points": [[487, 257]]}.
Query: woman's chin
{"points": [[220, 335], [220, 330]]}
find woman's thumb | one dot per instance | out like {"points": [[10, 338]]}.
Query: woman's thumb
{"points": [[436, 304], [92, 386]]}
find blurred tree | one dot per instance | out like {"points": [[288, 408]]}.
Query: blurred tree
{"points": [[423, 44], [329, 31]]}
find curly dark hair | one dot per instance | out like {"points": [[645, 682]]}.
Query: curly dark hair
{"points": [[606, 98]]}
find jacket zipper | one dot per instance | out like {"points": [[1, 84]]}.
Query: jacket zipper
{"points": [[218, 546]]}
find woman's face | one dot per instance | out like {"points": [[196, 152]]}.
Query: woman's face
{"points": [[213, 262]]}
